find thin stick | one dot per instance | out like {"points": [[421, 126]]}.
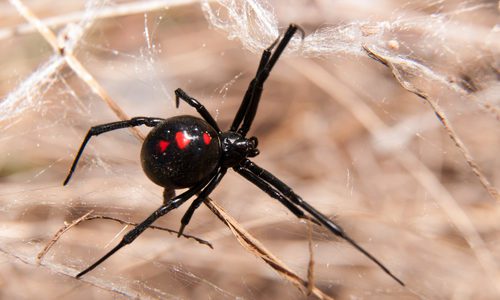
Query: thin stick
{"points": [[310, 268], [105, 12], [252, 245], [73, 62], [187, 236], [88, 217], [58, 235]]}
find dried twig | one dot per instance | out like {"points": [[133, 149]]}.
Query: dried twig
{"points": [[310, 268], [58, 235], [66, 50], [114, 11], [187, 236], [88, 217], [253, 246]]}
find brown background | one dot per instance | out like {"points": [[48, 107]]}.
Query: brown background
{"points": [[335, 125]]}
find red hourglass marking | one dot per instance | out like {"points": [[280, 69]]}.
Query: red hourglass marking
{"points": [[206, 138], [182, 140], [162, 145]]}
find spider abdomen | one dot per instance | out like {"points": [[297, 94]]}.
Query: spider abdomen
{"points": [[180, 152]]}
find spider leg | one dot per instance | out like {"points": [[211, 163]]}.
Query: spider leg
{"points": [[264, 59], [199, 200], [272, 192], [180, 94], [168, 194], [297, 200], [248, 108], [96, 130], [139, 229]]}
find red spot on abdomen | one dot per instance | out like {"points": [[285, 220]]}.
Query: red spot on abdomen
{"points": [[206, 138], [182, 140], [162, 146]]}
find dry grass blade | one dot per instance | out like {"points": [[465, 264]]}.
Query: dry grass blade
{"points": [[82, 72], [310, 268], [72, 61], [116, 10], [396, 71], [187, 236], [58, 235], [253, 246], [47, 34]]}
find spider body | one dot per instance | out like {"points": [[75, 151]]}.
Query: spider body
{"points": [[189, 152], [180, 151]]}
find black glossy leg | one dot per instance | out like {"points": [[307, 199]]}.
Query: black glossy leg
{"points": [[180, 94], [168, 195], [96, 130], [271, 191], [297, 200], [139, 229], [254, 92], [248, 94], [198, 201]]}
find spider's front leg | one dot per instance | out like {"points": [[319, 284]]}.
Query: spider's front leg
{"points": [[248, 107]]}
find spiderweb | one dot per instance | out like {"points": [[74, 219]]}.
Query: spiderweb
{"points": [[384, 117]]}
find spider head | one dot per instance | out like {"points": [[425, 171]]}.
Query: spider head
{"points": [[235, 148], [253, 151]]}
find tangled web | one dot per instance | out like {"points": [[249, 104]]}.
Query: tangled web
{"points": [[383, 117]]}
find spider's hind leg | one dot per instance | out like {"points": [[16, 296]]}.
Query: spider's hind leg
{"points": [[287, 192], [139, 229], [274, 193]]}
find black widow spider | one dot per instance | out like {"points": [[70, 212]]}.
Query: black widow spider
{"points": [[189, 152]]}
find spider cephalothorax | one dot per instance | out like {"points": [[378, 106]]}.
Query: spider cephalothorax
{"points": [[189, 152], [235, 148]]}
